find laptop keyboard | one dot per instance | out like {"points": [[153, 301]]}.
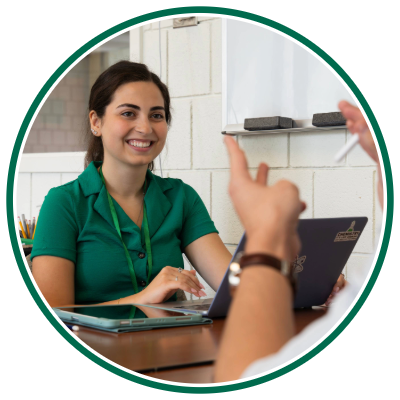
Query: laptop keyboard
{"points": [[201, 307]]}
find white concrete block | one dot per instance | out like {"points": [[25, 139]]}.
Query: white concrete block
{"points": [[52, 162], [200, 181], [177, 153], [151, 52], [216, 56], [23, 195], [208, 148], [189, 61], [136, 44], [346, 193], [357, 156], [206, 18], [271, 149], [222, 211], [316, 149], [303, 179], [68, 177], [358, 267], [41, 184], [157, 171], [166, 23]]}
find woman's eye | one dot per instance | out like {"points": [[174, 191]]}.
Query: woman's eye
{"points": [[158, 116], [128, 114]]}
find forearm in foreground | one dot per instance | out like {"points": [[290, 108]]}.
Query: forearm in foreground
{"points": [[259, 323]]}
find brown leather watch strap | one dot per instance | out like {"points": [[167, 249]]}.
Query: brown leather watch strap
{"points": [[264, 259], [261, 259]]}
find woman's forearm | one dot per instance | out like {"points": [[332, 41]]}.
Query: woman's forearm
{"points": [[259, 323]]}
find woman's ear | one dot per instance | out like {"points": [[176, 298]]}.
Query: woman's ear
{"points": [[94, 123]]}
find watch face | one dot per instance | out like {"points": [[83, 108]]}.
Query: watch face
{"points": [[234, 272]]}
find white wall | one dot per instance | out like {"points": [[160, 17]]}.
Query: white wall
{"points": [[191, 67]]}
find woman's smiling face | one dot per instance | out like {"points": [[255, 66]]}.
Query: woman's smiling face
{"points": [[134, 128]]}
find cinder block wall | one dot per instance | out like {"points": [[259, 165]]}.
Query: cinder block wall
{"points": [[191, 66], [58, 126]]}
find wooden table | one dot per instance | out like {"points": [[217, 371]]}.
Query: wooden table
{"points": [[184, 354]]}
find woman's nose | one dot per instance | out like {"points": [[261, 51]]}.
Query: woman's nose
{"points": [[143, 125]]}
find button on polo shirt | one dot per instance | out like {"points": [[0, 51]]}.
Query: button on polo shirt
{"points": [[76, 224]]}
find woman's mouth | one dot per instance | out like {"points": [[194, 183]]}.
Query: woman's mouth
{"points": [[140, 145]]}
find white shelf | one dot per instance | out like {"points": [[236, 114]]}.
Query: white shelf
{"points": [[300, 126]]}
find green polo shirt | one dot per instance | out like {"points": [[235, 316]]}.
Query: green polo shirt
{"points": [[76, 223]]}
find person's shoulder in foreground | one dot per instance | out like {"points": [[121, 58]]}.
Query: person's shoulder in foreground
{"points": [[260, 327], [311, 335]]}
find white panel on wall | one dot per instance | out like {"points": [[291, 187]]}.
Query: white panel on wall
{"points": [[24, 195], [346, 193], [269, 75], [41, 184]]}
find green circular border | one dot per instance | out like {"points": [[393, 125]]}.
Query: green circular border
{"points": [[197, 10]]}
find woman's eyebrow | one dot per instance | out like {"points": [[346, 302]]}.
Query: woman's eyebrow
{"points": [[129, 105], [138, 108]]}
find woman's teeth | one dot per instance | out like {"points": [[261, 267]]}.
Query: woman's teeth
{"points": [[139, 144]]}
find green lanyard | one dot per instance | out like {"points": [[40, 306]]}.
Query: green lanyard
{"points": [[146, 238]]}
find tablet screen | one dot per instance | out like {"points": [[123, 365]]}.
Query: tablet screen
{"points": [[122, 312]]}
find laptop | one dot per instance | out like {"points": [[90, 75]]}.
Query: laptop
{"points": [[326, 245]]}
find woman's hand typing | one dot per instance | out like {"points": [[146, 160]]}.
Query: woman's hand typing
{"points": [[165, 285]]}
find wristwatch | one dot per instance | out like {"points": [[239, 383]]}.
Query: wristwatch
{"points": [[242, 261]]}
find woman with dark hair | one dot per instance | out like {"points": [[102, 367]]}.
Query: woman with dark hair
{"points": [[116, 234]]}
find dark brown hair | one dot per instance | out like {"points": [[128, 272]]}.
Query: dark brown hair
{"points": [[101, 95]]}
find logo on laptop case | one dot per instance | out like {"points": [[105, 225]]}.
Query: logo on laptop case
{"points": [[298, 264], [349, 235]]}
